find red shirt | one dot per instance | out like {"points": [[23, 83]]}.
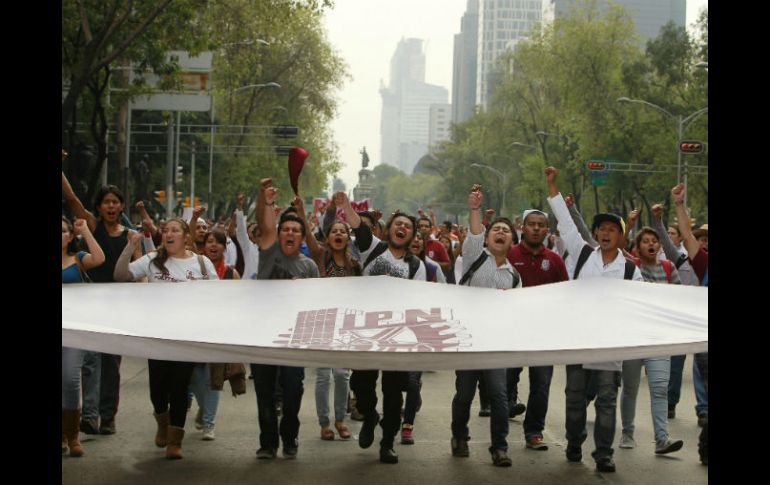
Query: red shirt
{"points": [[537, 269], [436, 251], [700, 263]]}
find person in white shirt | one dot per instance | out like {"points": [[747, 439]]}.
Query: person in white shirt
{"points": [[604, 261]]}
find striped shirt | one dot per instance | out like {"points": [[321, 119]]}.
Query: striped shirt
{"points": [[489, 274]]}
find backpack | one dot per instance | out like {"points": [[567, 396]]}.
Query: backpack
{"points": [[667, 267], [586, 252], [203, 267], [477, 264], [409, 258]]}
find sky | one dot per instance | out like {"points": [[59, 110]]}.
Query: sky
{"points": [[365, 34]]}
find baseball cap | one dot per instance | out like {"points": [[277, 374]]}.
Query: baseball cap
{"points": [[608, 217]]}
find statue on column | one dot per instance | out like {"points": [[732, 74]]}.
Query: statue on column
{"points": [[364, 158]]}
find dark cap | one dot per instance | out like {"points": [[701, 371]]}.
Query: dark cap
{"points": [[608, 217]]}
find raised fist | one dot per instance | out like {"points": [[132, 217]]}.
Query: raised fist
{"points": [[550, 174], [80, 227], [657, 211]]}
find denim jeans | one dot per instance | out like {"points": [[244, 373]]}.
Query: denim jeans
{"points": [[702, 361], [323, 378], [101, 386], [71, 362], [364, 385], [607, 383], [675, 385], [208, 398], [412, 397], [169, 381], [264, 385], [465, 386], [537, 403], [658, 370]]}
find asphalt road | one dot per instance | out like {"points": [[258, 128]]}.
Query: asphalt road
{"points": [[130, 457]]}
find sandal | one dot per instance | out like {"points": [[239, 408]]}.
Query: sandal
{"points": [[342, 429], [327, 434]]}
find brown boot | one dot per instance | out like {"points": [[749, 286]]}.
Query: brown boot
{"points": [[161, 439], [70, 419], [174, 446]]}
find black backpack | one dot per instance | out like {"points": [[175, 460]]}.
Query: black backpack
{"points": [[586, 252], [409, 258], [477, 264]]}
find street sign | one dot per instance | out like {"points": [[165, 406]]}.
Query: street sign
{"points": [[195, 93], [596, 181]]}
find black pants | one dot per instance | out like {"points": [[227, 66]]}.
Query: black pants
{"points": [[169, 382], [364, 384]]}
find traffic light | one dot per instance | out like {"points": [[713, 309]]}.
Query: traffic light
{"points": [[187, 201], [692, 146], [594, 165], [179, 174], [160, 195], [285, 131]]}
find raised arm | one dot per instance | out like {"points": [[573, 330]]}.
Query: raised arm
{"points": [[683, 218], [567, 230], [266, 217], [75, 205], [96, 255], [656, 222], [341, 201], [329, 215], [577, 218], [122, 273], [475, 198], [312, 243]]}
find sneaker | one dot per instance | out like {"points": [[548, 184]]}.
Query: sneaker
{"points": [[89, 426], [388, 455], [290, 452], [266, 453], [574, 454], [536, 443], [199, 419], [366, 435], [702, 419], [485, 412], [406, 435], [627, 442], [605, 464], [208, 433], [460, 447], [668, 446], [516, 409], [500, 458], [671, 412], [107, 427]]}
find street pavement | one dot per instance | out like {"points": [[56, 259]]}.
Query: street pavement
{"points": [[130, 456]]}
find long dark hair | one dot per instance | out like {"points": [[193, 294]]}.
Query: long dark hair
{"points": [[351, 266], [102, 193], [72, 246], [162, 257]]}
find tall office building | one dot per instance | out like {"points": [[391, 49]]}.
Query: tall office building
{"points": [[438, 127], [464, 64], [405, 121], [502, 23], [648, 15]]}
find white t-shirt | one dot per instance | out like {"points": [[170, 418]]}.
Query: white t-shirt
{"points": [[387, 264], [231, 254], [179, 269]]}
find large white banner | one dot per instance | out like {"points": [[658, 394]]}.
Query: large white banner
{"points": [[381, 322]]}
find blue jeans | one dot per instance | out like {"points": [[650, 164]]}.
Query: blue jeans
{"points": [[264, 385], [537, 403], [101, 386], [701, 394], [208, 398], [465, 385], [412, 397], [607, 384], [658, 370], [323, 377], [71, 362]]}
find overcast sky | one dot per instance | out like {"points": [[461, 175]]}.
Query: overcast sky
{"points": [[365, 34]]}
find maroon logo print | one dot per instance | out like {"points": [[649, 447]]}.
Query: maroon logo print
{"points": [[412, 330]]}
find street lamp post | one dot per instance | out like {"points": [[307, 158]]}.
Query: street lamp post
{"points": [[681, 125], [503, 181]]}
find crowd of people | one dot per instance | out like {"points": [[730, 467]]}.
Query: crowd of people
{"points": [[103, 247]]}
